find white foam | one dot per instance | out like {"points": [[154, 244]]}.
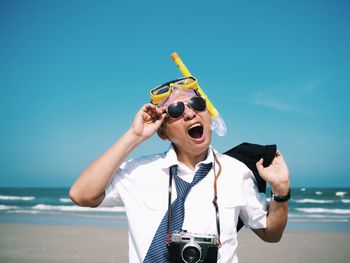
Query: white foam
{"points": [[345, 201], [314, 201], [323, 210], [318, 193], [340, 193], [23, 198], [75, 208], [303, 189]]}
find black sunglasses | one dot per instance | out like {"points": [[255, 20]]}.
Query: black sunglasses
{"points": [[177, 109]]}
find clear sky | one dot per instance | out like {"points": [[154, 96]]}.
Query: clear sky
{"points": [[74, 73]]}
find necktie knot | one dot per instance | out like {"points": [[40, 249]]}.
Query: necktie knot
{"points": [[203, 170], [183, 187]]}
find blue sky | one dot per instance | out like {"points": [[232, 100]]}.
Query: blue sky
{"points": [[74, 73]]}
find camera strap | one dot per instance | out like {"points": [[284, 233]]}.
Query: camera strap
{"points": [[169, 203], [216, 176]]}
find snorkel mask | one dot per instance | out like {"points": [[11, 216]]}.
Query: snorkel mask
{"points": [[162, 94]]}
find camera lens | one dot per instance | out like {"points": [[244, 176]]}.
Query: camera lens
{"points": [[191, 253]]}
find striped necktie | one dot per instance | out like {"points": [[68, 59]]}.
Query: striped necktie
{"points": [[158, 251]]}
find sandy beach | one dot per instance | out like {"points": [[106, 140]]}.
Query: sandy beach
{"points": [[60, 243]]}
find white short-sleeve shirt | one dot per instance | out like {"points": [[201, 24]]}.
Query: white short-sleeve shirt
{"points": [[141, 185]]}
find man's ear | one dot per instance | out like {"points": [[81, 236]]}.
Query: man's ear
{"points": [[161, 132]]}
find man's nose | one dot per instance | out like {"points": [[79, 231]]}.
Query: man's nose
{"points": [[189, 113]]}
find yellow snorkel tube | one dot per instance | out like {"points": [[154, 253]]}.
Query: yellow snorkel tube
{"points": [[218, 124]]}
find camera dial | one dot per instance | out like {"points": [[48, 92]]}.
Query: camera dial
{"points": [[191, 252]]}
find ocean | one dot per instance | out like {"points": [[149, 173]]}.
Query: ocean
{"points": [[317, 209]]}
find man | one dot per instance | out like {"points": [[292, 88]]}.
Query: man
{"points": [[179, 114]]}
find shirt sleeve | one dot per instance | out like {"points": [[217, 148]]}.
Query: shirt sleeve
{"points": [[254, 213], [112, 196]]}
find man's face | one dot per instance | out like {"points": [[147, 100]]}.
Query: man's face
{"points": [[191, 133]]}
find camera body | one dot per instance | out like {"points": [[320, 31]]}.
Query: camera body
{"points": [[191, 248]]}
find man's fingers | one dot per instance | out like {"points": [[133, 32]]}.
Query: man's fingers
{"points": [[259, 165], [152, 113]]}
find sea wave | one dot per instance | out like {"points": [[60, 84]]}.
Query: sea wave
{"points": [[7, 207], [75, 208], [301, 217], [323, 220], [340, 193], [23, 198], [323, 210], [329, 216], [65, 200], [345, 201], [22, 211], [314, 201]]}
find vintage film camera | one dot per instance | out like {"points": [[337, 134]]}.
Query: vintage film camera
{"points": [[191, 248]]}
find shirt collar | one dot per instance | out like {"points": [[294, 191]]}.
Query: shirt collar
{"points": [[171, 157]]}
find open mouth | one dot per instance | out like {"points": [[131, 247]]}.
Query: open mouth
{"points": [[196, 131]]}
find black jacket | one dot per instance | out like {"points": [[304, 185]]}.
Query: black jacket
{"points": [[249, 154]]}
